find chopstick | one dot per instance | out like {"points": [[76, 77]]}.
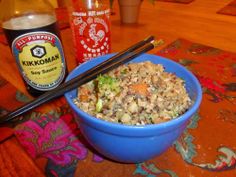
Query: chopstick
{"points": [[118, 59]]}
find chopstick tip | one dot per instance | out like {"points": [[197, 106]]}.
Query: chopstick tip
{"points": [[149, 38], [157, 43]]}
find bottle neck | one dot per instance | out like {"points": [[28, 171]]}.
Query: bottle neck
{"points": [[29, 22], [81, 5], [18, 8]]}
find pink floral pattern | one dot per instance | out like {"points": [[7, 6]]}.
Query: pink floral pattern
{"points": [[55, 138]]}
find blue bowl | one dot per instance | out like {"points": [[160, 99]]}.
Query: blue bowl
{"points": [[134, 144]]}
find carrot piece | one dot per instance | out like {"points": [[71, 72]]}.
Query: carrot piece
{"points": [[140, 88], [83, 94], [83, 98]]}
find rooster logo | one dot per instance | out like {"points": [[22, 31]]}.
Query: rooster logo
{"points": [[96, 36]]}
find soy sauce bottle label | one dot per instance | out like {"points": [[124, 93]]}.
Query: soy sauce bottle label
{"points": [[40, 59]]}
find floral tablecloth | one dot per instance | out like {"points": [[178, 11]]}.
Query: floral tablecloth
{"points": [[206, 148], [178, 1], [229, 9]]}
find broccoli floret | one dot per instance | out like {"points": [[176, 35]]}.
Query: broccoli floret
{"points": [[107, 84], [107, 87]]}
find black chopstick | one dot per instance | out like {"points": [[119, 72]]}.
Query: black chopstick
{"points": [[120, 58]]}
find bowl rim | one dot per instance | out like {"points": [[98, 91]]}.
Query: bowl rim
{"points": [[107, 126]]}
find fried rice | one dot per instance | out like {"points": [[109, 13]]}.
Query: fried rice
{"points": [[135, 94]]}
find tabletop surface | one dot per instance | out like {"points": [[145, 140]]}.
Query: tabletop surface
{"points": [[197, 37]]}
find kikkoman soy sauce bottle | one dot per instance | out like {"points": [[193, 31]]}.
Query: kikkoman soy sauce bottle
{"points": [[33, 35]]}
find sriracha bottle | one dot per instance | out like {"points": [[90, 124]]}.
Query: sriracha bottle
{"points": [[90, 24]]}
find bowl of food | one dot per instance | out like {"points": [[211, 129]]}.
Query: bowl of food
{"points": [[136, 111]]}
